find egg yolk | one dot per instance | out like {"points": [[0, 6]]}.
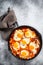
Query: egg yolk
{"points": [[23, 42], [16, 45], [19, 35], [24, 53], [31, 47], [27, 33]]}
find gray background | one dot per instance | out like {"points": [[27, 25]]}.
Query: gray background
{"points": [[28, 12]]}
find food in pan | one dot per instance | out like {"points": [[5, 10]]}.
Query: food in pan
{"points": [[24, 43]]}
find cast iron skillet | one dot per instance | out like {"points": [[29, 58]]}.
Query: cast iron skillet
{"points": [[38, 34]]}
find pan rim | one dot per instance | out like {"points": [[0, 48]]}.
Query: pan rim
{"points": [[32, 28]]}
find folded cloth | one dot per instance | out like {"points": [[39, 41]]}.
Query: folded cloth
{"points": [[8, 22]]}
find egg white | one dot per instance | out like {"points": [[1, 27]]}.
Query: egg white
{"points": [[35, 46]]}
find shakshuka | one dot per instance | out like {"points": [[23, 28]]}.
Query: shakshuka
{"points": [[24, 43]]}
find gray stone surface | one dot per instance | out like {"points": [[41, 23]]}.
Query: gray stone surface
{"points": [[28, 12]]}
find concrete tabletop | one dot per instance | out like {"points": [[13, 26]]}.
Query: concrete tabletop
{"points": [[28, 12]]}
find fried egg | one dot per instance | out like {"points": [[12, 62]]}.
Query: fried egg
{"points": [[18, 35], [30, 33], [24, 54], [24, 42], [32, 47], [16, 46]]}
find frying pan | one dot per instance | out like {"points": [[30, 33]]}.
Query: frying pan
{"points": [[33, 29]]}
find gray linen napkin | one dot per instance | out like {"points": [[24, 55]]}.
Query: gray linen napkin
{"points": [[8, 22]]}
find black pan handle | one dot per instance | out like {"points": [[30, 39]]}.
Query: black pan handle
{"points": [[16, 24]]}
